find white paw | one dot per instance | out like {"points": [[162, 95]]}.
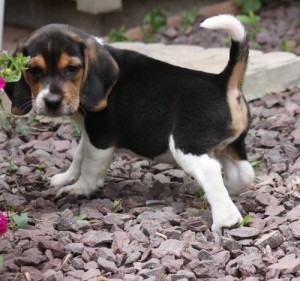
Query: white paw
{"points": [[81, 187], [225, 215], [62, 179]]}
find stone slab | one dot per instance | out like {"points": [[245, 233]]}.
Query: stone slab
{"points": [[266, 73]]}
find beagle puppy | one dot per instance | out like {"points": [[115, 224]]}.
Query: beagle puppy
{"points": [[124, 99]]}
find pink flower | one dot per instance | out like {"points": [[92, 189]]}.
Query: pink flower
{"points": [[3, 224], [2, 83]]}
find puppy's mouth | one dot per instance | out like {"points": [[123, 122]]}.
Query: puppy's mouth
{"points": [[60, 111]]}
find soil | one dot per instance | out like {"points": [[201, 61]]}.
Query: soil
{"points": [[150, 222]]}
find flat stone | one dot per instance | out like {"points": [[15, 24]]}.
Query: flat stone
{"points": [[295, 228], [273, 239], [75, 248], [107, 266], [286, 266], [274, 210], [90, 274], [265, 199], [95, 238], [170, 247], [244, 232]]}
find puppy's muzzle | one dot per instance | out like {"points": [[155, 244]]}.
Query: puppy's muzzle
{"points": [[53, 102]]}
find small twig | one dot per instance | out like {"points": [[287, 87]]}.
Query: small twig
{"points": [[161, 235]]}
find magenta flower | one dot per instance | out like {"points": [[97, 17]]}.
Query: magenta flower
{"points": [[3, 224], [2, 83]]}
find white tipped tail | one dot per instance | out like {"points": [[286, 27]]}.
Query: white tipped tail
{"points": [[228, 23]]}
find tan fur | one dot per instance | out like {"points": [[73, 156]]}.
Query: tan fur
{"points": [[37, 61], [237, 105], [66, 60]]}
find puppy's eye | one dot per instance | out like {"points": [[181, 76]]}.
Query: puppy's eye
{"points": [[71, 69], [36, 71]]}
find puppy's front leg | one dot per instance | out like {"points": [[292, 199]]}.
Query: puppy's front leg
{"points": [[93, 170], [73, 173]]}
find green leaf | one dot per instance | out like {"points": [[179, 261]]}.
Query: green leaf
{"points": [[81, 219], [190, 17], [1, 260], [21, 220], [244, 19], [246, 220], [156, 19], [21, 128]]}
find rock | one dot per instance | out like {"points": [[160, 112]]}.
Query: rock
{"points": [[274, 210], [106, 265], [52, 275], [136, 234], [94, 238], [204, 269], [265, 199], [91, 265], [75, 248], [230, 244], [222, 257], [133, 257], [244, 232], [91, 213], [31, 271], [66, 222], [183, 275], [56, 247], [286, 266], [90, 274], [170, 247], [120, 239], [106, 254], [78, 263], [295, 228], [173, 266], [30, 257], [155, 272], [273, 239]]}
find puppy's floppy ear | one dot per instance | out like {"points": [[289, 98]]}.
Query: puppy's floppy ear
{"points": [[100, 75], [19, 92]]}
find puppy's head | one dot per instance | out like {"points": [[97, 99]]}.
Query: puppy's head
{"points": [[67, 69]]}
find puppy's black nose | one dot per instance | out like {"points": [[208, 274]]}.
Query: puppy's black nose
{"points": [[53, 101]]}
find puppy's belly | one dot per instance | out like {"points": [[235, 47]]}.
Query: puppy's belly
{"points": [[166, 157]]}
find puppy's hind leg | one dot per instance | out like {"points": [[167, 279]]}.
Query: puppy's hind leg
{"points": [[207, 172], [238, 173]]}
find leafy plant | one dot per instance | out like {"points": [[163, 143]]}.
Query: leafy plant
{"points": [[12, 168], [200, 193], [118, 34], [22, 128], [41, 167], [11, 67], [190, 17], [81, 219], [256, 163], [21, 220], [1, 260], [76, 130], [288, 45], [156, 19], [117, 205], [31, 118], [246, 220], [253, 22], [249, 5]]}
